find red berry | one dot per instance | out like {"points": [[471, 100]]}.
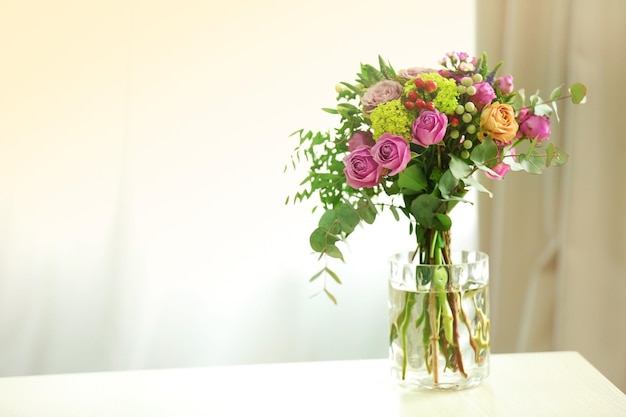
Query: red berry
{"points": [[430, 105], [454, 121], [409, 105], [420, 104], [430, 86], [419, 83], [412, 95]]}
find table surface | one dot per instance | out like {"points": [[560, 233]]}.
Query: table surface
{"points": [[548, 384]]}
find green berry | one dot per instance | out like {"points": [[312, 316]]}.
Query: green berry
{"points": [[471, 129], [467, 81], [459, 109], [454, 134], [470, 107], [477, 78], [471, 90], [466, 117], [465, 154], [467, 144], [461, 89]]}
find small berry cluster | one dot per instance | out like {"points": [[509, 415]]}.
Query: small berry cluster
{"points": [[413, 99], [466, 114]]}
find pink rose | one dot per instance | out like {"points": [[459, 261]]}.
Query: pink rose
{"points": [[392, 152], [505, 84], [484, 95], [381, 92], [429, 128], [361, 169], [360, 138], [501, 168], [536, 127]]}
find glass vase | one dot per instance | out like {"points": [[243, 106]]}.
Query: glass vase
{"points": [[439, 321]]}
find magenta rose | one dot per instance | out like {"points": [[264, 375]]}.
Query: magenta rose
{"points": [[505, 84], [360, 138], [429, 128], [392, 152], [361, 169], [536, 127], [500, 169], [381, 92], [484, 95]]}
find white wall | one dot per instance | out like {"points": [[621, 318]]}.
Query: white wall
{"points": [[142, 146]]}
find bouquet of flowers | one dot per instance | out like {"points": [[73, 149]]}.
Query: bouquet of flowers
{"points": [[414, 142]]}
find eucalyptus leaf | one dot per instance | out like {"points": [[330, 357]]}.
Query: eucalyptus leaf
{"points": [[459, 168], [556, 93], [412, 180], [332, 274], [367, 211], [424, 208], [333, 251], [578, 92], [320, 239], [330, 222], [448, 183], [348, 218], [485, 152]]}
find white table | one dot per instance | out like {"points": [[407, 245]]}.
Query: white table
{"points": [[526, 385]]}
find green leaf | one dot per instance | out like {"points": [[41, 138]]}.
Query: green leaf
{"points": [[412, 180], [478, 186], [485, 152], [444, 221], [424, 208], [367, 211], [578, 92], [348, 217], [394, 211], [331, 111], [330, 222], [459, 168], [333, 275], [559, 158], [532, 162], [334, 252], [448, 183], [556, 93], [549, 154], [543, 109], [320, 239], [518, 100], [317, 275], [329, 295]]}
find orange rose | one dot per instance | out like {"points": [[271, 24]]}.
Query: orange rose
{"points": [[498, 121]]}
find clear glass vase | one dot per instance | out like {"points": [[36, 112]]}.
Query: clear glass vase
{"points": [[439, 321]]}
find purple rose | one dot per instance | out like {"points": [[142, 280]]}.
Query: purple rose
{"points": [[381, 92], [484, 95], [429, 128], [410, 73], [360, 138], [536, 127], [392, 152], [361, 169], [505, 84]]}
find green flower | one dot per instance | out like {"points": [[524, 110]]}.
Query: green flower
{"points": [[445, 97], [393, 118]]}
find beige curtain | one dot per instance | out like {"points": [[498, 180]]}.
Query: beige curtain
{"points": [[558, 241]]}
